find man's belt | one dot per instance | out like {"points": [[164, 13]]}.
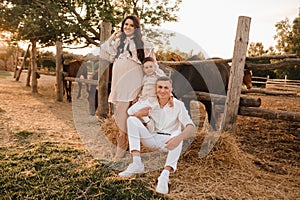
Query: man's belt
{"points": [[163, 133]]}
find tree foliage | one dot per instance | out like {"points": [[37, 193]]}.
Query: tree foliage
{"points": [[288, 42], [77, 21], [257, 49]]}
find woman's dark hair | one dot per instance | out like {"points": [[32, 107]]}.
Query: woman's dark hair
{"points": [[137, 38]]}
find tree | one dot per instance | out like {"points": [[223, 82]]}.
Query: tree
{"points": [[257, 49], [283, 35], [77, 21], [288, 41], [31, 21], [295, 40]]}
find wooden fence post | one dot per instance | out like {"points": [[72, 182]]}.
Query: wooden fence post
{"points": [[59, 72], [103, 74], [34, 83], [19, 71], [29, 72], [236, 74]]}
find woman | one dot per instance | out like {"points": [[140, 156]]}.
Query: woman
{"points": [[128, 49]]}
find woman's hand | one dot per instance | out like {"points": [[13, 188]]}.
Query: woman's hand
{"points": [[134, 101], [116, 34], [143, 112]]}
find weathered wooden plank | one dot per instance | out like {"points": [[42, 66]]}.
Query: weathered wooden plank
{"points": [[34, 83], [268, 92], [236, 74], [59, 72], [47, 73], [269, 57], [277, 65], [81, 80], [270, 114], [220, 99], [103, 74], [19, 71], [194, 62]]}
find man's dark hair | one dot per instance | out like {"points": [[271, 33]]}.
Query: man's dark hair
{"points": [[164, 78]]}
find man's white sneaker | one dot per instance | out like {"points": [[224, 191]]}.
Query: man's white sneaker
{"points": [[162, 185], [133, 169]]}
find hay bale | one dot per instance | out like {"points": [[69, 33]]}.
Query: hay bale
{"points": [[110, 128]]}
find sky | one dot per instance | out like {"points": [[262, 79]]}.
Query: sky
{"points": [[210, 26]]}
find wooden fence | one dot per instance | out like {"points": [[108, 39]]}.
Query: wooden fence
{"points": [[269, 86], [283, 85], [232, 100]]}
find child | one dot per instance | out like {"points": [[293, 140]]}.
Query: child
{"points": [[147, 97]]}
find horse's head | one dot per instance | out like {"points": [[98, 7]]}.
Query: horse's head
{"points": [[247, 79], [182, 77]]}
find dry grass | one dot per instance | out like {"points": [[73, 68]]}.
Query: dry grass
{"points": [[227, 172], [46, 158]]}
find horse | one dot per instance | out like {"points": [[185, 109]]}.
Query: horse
{"points": [[205, 77], [93, 91], [93, 95], [74, 69]]}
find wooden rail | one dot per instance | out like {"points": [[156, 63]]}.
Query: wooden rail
{"points": [[220, 99], [81, 80], [270, 114]]}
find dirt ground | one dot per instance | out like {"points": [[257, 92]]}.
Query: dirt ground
{"points": [[264, 160]]}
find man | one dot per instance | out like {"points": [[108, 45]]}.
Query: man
{"points": [[168, 121]]}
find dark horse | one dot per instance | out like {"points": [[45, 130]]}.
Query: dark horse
{"points": [[93, 91], [93, 95], [74, 69], [205, 77]]}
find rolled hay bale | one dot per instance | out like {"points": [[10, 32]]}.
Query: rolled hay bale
{"points": [[213, 149], [110, 129], [225, 150], [222, 174]]}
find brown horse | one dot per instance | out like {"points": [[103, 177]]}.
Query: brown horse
{"points": [[208, 77], [74, 69]]}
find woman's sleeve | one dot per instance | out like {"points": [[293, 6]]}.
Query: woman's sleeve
{"points": [[108, 50]]}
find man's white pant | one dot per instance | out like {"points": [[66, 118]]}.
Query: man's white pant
{"points": [[138, 133]]}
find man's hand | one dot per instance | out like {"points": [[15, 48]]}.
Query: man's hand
{"points": [[173, 142], [189, 131]]}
